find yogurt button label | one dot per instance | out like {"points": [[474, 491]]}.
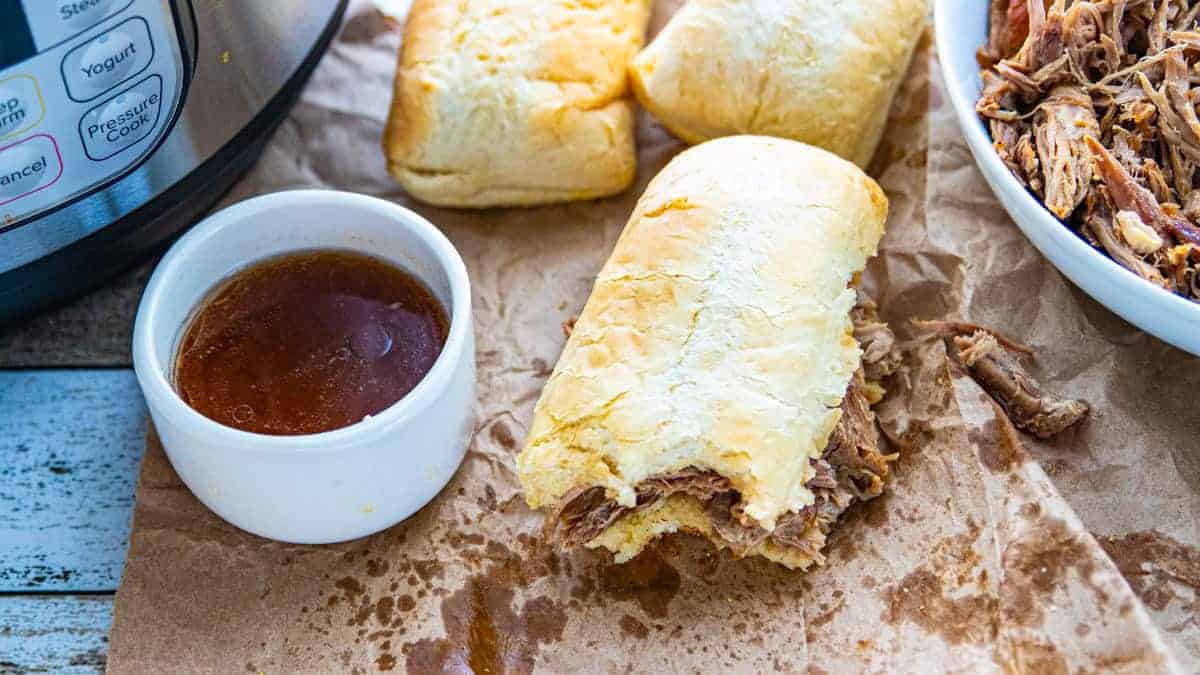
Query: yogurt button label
{"points": [[27, 166], [79, 14], [108, 59]]}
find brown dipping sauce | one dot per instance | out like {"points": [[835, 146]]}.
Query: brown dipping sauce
{"points": [[309, 342]]}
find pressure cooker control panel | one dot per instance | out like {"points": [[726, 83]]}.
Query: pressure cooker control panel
{"points": [[87, 88]]}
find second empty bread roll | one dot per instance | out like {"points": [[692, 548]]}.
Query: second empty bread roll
{"points": [[816, 71], [515, 102]]}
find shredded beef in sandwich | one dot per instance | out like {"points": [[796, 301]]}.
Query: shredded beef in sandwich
{"points": [[851, 469], [1092, 105]]}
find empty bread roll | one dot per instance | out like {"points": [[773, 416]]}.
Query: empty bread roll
{"points": [[714, 360], [515, 102], [819, 71]]}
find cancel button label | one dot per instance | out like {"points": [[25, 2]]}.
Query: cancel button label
{"points": [[28, 166], [122, 121]]}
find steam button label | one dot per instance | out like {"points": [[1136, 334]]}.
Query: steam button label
{"points": [[79, 14], [28, 166], [55, 22], [107, 59], [120, 122]]}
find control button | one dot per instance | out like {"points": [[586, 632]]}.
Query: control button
{"points": [[54, 22], [20, 105], [123, 120], [107, 59], [80, 14], [28, 166]]}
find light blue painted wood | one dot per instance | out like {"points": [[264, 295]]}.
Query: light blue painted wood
{"points": [[70, 442], [54, 633]]}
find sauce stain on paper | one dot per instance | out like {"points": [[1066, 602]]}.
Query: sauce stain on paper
{"points": [[827, 614], [501, 434], [351, 588], [384, 608], [1037, 565], [484, 633], [385, 662], [647, 579], [1157, 567], [634, 628], [919, 598], [1038, 657], [367, 26], [999, 445]]}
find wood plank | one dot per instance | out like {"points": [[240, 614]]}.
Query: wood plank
{"points": [[70, 442], [54, 633], [94, 331]]}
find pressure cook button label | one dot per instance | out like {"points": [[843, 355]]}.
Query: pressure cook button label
{"points": [[20, 105], [123, 120], [107, 59], [28, 166]]}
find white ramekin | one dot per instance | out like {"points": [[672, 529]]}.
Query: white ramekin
{"points": [[331, 486]]}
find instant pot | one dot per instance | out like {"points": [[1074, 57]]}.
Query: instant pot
{"points": [[121, 121]]}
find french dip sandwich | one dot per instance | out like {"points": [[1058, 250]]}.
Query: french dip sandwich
{"points": [[720, 376]]}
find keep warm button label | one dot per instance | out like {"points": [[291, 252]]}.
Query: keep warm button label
{"points": [[120, 122], [21, 106]]}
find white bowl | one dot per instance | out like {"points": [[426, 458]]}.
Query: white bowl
{"points": [[332, 486], [961, 27]]}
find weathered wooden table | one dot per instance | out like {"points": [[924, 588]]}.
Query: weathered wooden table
{"points": [[72, 424]]}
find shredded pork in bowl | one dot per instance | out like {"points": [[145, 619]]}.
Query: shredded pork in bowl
{"points": [[1040, 97], [1091, 106]]}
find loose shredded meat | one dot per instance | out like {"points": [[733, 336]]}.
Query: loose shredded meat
{"points": [[1091, 104], [851, 469], [1029, 407], [880, 356], [991, 358], [950, 329]]}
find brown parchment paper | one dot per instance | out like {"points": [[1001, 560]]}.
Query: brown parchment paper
{"points": [[972, 562], [1132, 472]]}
